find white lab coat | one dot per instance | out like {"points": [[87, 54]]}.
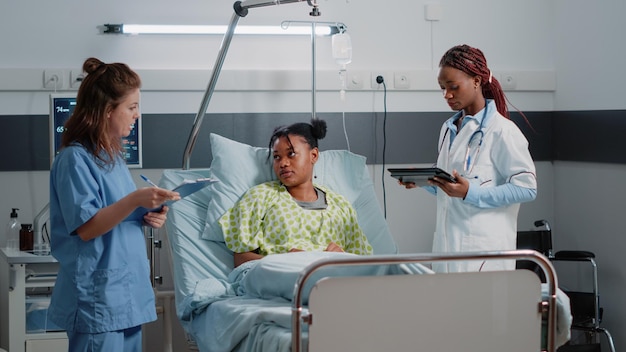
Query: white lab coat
{"points": [[461, 227]]}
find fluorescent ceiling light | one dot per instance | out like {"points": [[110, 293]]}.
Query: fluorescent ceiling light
{"points": [[324, 29]]}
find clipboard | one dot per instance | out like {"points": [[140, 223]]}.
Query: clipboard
{"points": [[188, 187], [420, 176], [185, 188]]}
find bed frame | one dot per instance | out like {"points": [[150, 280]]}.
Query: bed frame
{"points": [[481, 311]]}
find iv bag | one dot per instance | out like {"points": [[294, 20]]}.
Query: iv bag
{"points": [[342, 48]]}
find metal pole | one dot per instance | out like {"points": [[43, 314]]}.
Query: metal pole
{"points": [[314, 75], [193, 136], [260, 3]]}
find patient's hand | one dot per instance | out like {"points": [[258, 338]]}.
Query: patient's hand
{"points": [[241, 258], [333, 247]]}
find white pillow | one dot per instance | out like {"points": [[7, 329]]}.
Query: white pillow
{"points": [[239, 167]]}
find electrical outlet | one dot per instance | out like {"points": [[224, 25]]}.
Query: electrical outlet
{"points": [[401, 80], [386, 78], [76, 77], [355, 80], [53, 79], [433, 12], [508, 81]]}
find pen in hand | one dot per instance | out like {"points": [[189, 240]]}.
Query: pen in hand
{"points": [[148, 180]]}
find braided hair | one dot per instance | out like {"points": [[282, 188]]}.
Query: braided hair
{"points": [[311, 132], [472, 61]]}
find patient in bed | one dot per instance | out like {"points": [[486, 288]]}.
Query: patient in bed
{"points": [[292, 213]]}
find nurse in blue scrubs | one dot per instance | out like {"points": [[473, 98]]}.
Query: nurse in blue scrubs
{"points": [[103, 292]]}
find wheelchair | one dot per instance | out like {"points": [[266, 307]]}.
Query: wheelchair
{"points": [[582, 292]]}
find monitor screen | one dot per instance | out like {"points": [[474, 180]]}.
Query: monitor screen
{"points": [[62, 106]]}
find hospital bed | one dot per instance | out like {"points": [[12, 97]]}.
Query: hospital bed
{"points": [[310, 301], [327, 302]]}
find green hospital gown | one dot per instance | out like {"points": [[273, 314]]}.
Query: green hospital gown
{"points": [[268, 218]]}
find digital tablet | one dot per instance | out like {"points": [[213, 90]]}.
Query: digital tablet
{"points": [[420, 176]]}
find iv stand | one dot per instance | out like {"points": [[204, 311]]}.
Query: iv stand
{"points": [[340, 27]]}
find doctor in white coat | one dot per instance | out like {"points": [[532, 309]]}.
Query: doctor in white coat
{"points": [[488, 155]]}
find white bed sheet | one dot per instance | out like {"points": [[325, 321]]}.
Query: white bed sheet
{"points": [[251, 310], [245, 325]]}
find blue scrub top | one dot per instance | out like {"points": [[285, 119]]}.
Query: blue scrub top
{"points": [[103, 284]]}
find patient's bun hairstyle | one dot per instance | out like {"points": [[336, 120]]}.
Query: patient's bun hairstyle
{"points": [[102, 90], [311, 132], [472, 61]]}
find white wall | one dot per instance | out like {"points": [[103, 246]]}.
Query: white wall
{"points": [[588, 196], [389, 34], [589, 54], [387, 37], [563, 54]]}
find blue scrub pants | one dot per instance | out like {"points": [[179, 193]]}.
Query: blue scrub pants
{"points": [[127, 340]]}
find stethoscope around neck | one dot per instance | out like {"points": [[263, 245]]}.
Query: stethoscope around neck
{"points": [[473, 144]]}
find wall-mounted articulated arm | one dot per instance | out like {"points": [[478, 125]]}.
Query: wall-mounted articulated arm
{"points": [[241, 10], [261, 3]]}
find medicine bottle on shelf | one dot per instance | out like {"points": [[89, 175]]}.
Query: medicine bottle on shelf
{"points": [[13, 232], [26, 237]]}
